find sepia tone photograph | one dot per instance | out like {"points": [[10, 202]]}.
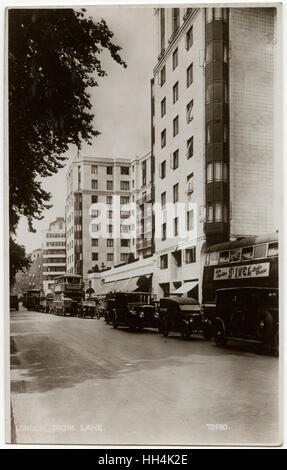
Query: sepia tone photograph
{"points": [[144, 179]]}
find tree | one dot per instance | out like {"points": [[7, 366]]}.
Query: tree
{"points": [[53, 61], [18, 260]]}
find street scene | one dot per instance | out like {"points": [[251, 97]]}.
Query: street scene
{"points": [[145, 226], [80, 381]]}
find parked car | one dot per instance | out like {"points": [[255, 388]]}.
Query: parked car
{"points": [[132, 309], [87, 308], [14, 302], [180, 314], [247, 314]]}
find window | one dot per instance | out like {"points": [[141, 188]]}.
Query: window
{"points": [[272, 249], [163, 138], [162, 29], [189, 75], [189, 145], [125, 242], [209, 173], [174, 160], [95, 256], [189, 220], [110, 257], [110, 185], [247, 253], [190, 255], [94, 169], [189, 39], [218, 13], [213, 258], [94, 199], [175, 59], [209, 15], [124, 200], [189, 182], [95, 213], [95, 242], [124, 214], [125, 228], [125, 185], [124, 256], [163, 262], [95, 227], [110, 214], [109, 170], [218, 212], [235, 255], [125, 170], [110, 228], [163, 200], [94, 184], [220, 171], [223, 257], [175, 193], [189, 112], [110, 242], [162, 76], [175, 126], [260, 251], [175, 92], [175, 19], [109, 199], [163, 231], [163, 107], [209, 215], [162, 172], [144, 173], [175, 226]]}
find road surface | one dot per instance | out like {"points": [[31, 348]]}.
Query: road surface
{"points": [[79, 381]]}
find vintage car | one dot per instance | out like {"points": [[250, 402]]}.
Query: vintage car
{"points": [[14, 303], [180, 314], [132, 309], [31, 299], [247, 314], [87, 308]]}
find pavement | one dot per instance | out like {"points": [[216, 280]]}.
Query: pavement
{"points": [[79, 381]]}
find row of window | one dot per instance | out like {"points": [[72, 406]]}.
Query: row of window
{"points": [[216, 171], [110, 256], [189, 225], [123, 228], [189, 257], [216, 14], [56, 243], [188, 75], [216, 212], [247, 253], [55, 235], [109, 199], [124, 185], [123, 214], [125, 242], [125, 170]]}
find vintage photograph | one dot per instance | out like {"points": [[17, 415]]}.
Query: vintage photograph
{"points": [[144, 165]]}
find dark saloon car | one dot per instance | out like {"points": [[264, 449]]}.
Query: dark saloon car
{"points": [[248, 314], [180, 314], [87, 308], [14, 303], [132, 309]]}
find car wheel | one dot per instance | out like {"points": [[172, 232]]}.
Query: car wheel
{"points": [[219, 337]]}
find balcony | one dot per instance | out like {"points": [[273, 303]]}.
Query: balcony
{"points": [[144, 242], [145, 198]]}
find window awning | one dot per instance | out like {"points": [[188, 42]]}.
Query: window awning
{"points": [[133, 284], [121, 285], [107, 287], [186, 287], [140, 283]]}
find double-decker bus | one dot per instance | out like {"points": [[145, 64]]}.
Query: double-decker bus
{"points": [[240, 290], [68, 292]]}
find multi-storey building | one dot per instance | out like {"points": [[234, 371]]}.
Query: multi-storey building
{"points": [[100, 228], [54, 252], [212, 134], [33, 277]]}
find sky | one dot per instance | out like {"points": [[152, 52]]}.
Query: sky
{"points": [[121, 104]]}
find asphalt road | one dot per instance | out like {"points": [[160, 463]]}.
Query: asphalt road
{"points": [[79, 381]]}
